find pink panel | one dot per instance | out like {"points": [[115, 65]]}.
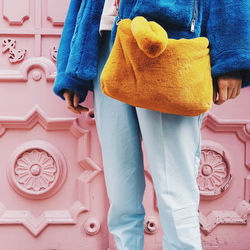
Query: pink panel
{"points": [[13, 14], [51, 162], [54, 16]]}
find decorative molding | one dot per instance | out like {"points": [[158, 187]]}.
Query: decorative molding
{"points": [[38, 31], [92, 226], [240, 127], [37, 116], [29, 166], [15, 55], [36, 75], [151, 225], [90, 169], [16, 16], [8, 44], [53, 53], [21, 75], [37, 169], [217, 217], [214, 174], [90, 116], [56, 17]]}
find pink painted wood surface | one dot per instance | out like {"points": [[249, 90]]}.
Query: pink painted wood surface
{"points": [[52, 192]]}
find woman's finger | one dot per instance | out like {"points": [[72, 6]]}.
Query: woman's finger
{"points": [[67, 95], [82, 108], [230, 90], [76, 99], [75, 110], [222, 95], [238, 90], [77, 105], [234, 93], [214, 95], [72, 100]]}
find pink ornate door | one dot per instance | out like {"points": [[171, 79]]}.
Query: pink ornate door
{"points": [[52, 192], [224, 175]]}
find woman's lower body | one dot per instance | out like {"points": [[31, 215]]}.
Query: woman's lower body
{"points": [[172, 145]]}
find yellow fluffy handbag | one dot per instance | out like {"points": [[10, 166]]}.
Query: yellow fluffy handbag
{"points": [[147, 69]]}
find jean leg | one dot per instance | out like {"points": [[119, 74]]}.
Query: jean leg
{"points": [[120, 139], [172, 145]]}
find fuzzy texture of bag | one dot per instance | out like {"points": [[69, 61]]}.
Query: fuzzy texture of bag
{"points": [[147, 69]]}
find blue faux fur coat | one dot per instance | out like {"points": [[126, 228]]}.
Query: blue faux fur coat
{"points": [[226, 23]]}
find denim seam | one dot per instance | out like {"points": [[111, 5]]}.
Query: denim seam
{"points": [[165, 171], [198, 146], [199, 143], [162, 139], [163, 150], [139, 205], [137, 226]]}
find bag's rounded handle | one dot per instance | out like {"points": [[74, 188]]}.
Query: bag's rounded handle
{"points": [[151, 38]]}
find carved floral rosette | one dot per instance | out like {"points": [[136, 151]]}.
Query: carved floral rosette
{"points": [[37, 170], [214, 175]]}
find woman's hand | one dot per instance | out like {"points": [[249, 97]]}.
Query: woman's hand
{"points": [[72, 99], [228, 87]]}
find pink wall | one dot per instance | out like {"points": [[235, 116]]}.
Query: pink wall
{"points": [[52, 193]]}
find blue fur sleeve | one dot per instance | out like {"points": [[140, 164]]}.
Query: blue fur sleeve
{"points": [[82, 62], [65, 80], [228, 31]]}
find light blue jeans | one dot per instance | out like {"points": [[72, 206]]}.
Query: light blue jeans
{"points": [[172, 145]]}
